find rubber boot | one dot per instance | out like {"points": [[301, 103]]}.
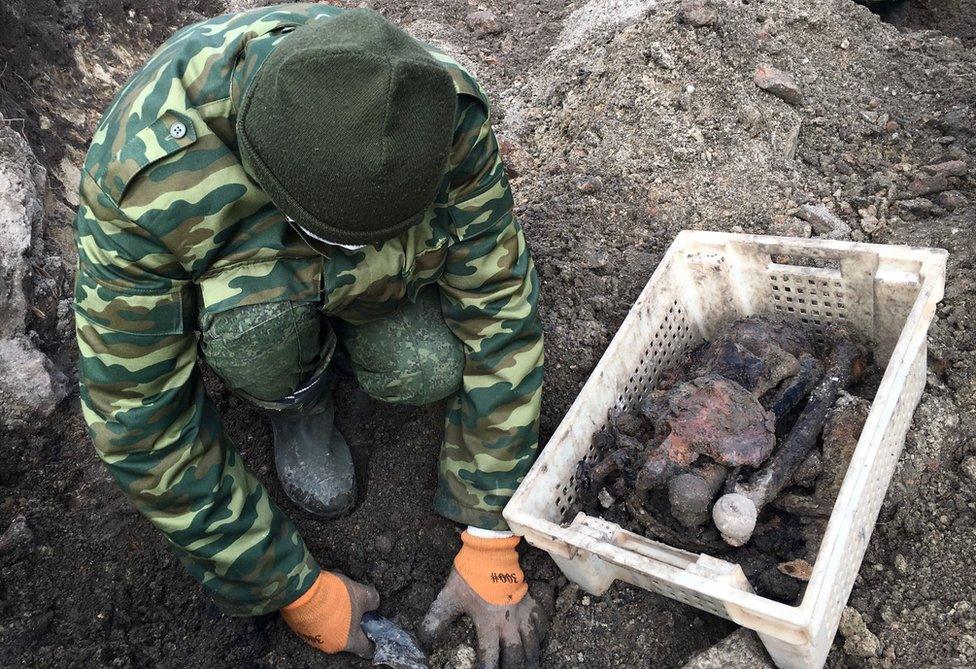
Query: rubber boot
{"points": [[312, 458]]}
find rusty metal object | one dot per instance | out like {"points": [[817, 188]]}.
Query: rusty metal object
{"points": [[758, 353], [735, 513], [840, 436], [710, 416], [691, 493]]}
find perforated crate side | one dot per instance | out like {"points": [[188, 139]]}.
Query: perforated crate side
{"points": [[674, 335], [859, 527], [818, 302]]}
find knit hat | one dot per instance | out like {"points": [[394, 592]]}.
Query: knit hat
{"points": [[347, 126]]}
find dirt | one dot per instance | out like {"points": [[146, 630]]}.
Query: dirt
{"points": [[625, 123]]}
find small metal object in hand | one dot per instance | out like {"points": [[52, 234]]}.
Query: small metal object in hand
{"points": [[395, 647]]}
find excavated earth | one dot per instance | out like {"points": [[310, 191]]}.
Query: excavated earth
{"points": [[624, 122]]}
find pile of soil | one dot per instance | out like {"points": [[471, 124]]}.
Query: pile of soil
{"points": [[624, 122]]}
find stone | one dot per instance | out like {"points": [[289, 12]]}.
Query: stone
{"points": [[968, 467], [741, 650], [30, 386], [926, 185], [697, 13], [22, 185], [588, 184], [950, 168], [70, 177], [916, 206], [516, 159], [791, 227], [951, 200], [17, 542], [901, 564], [484, 22], [824, 222], [778, 83], [870, 223], [463, 657], [799, 569], [859, 641], [661, 56]]}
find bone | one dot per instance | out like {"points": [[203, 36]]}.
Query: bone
{"points": [[840, 436], [662, 532], [735, 514], [758, 352]]}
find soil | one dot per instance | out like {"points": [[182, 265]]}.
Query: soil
{"points": [[623, 124]]}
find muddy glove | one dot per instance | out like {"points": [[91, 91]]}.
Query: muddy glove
{"points": [[327, 616], [488, 585]]}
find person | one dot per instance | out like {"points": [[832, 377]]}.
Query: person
{"points": [[291, 192]]}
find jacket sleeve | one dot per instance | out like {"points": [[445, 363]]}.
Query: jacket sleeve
{"points": [[489, 292], [156, 429]]}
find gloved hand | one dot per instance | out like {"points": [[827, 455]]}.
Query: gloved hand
{"points": [[328, 615], [488, 585]]}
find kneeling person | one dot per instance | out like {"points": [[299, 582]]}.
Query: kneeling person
{"points": [[308, 187]]}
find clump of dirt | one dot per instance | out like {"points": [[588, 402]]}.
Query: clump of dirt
{"points": [[624, 121]]}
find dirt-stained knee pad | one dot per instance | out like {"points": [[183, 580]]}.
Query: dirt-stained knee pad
{"points": [[408, 357], [264, 350]]}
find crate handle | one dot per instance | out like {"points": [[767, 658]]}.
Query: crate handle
{"points": [[600, 529], [858, 269]]}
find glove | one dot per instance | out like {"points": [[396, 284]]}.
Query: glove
{"points": [[328, 615], [488, 585]]}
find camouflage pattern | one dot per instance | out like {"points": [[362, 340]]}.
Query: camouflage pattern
{"points": [[172, 231], [407, 357], [263, 350]]}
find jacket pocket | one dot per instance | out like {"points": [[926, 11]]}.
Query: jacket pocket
{"points": [[171, 132], [129, 310]]}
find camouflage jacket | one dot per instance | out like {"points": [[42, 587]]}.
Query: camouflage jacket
{"points": [[171, 229]]}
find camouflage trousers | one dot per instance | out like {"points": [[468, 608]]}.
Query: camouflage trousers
{"points": [[267, 351]]}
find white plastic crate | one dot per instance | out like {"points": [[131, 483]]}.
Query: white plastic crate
{"points": [[886, 293]]}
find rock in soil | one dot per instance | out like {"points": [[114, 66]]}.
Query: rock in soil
{"points": [[779, 83], [698, 13], [30, 386], [740, 650], [824, 222], [16, 543], [22, 186], [859, 641], [484, 22]]}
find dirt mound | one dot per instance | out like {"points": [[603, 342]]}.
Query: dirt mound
{"points": [[669, 115], [625, 139]]}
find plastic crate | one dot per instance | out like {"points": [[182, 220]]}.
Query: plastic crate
{"points": [[886, 293]]}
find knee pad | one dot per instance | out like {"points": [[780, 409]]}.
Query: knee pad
{"points": [[263, 350], [410, 357]]}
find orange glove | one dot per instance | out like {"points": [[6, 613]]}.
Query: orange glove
{"points": [[328, 615], [488, 585], [491, 568]]}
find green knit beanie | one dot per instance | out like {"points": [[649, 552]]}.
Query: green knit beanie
{"points": [[347, 126]]}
